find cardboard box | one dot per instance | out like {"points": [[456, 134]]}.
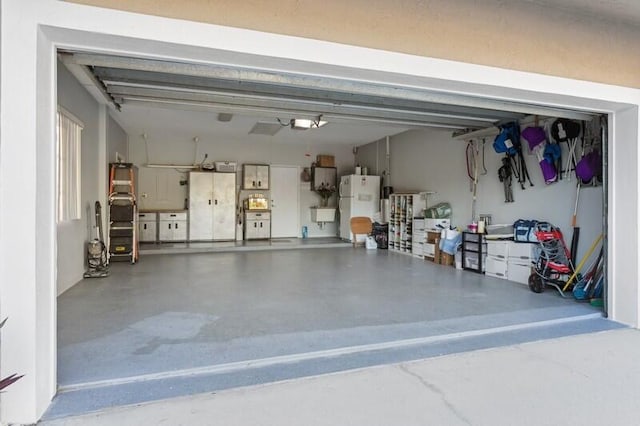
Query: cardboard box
{"points": [[433, 237], [446, 259], [325, 161], [437, 252]]}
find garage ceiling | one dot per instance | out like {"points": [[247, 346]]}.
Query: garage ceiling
{"points": [[184, 100]]}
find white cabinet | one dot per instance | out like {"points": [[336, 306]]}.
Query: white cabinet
{"points": [[148, 227], [403, 209], [212, 206], [257, 225], [510, 260], [172, 226], [255, 176]]}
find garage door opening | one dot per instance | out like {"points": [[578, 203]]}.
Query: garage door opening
{"points": [[183, 322]]}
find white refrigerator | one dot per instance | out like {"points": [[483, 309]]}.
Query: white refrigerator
{"points": [[359, 196]]}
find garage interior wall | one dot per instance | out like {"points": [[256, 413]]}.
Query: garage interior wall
{"points": [[533, 35], [161, 189], [72, 236], [432, 160], [117, 141]]}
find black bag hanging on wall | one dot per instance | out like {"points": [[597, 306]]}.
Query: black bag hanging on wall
{"points": [[564, 129]]}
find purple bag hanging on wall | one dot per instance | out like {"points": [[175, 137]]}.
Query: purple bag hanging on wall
{"points": [[589, 166], [548, 171], [536, 137]]}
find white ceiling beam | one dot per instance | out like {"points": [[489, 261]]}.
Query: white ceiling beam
{"points": [[315, 82], [92, 84], [314, 111], [270, 112], [315, 107], [148, 79]]}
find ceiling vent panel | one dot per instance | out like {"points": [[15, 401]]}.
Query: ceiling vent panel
{"points": [[268, 129]]}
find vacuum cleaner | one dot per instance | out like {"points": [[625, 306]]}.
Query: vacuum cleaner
{"points": [[97, 257]]}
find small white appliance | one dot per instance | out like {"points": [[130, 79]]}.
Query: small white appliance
{"points": [[225, 166], [359, 196]]}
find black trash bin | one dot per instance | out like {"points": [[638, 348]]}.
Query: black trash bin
{"points": [[381, 234]]}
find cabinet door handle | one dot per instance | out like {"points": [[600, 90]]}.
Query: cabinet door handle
{"points": [[169, 226], [209, 202], [259, 183], [260, 224], [254, 183], [144, 226], [215, 202], [255, 224], [176, 226]]}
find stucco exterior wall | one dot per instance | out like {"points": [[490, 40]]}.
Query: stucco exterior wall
{"points": [[517, 35]]}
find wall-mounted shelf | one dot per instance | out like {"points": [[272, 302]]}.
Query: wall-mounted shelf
{"points": [[171, 166]]}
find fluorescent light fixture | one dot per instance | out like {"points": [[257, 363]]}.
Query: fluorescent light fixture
{"points": [[305, 124]]}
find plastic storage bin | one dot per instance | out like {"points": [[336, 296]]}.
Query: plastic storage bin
{"points": [[496, 267], [518, 272]]}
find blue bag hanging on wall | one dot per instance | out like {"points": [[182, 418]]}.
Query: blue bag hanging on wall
{"points": [[508, 140]]}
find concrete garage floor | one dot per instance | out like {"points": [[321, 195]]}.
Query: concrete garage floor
{"points": [[182, 324], [577, 380]]}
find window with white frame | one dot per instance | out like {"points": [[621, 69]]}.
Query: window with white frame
{"points": [[69, 134]]}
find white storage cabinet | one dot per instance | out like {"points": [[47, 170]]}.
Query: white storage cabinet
{"points": [[255, 176], [257, 225], [172, 226], [148, 227], [212, 206]]}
